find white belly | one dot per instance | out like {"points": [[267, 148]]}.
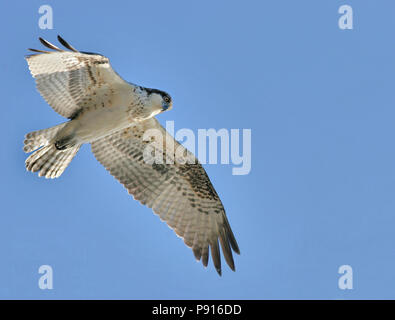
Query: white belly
{"points": [[101, 122]]}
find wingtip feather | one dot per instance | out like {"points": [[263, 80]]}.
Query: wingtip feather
{"points": [[49, 44], [66, 44]]}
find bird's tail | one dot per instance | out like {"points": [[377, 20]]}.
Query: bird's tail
{"points": [[48, 159]]}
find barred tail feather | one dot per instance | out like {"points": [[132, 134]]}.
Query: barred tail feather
{"points": [[48, 160], [51, 162]]}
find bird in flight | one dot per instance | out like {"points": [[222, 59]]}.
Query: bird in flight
{"points": [[112, 115]]}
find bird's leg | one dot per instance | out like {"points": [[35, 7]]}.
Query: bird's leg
{"points": [[65, 142]]}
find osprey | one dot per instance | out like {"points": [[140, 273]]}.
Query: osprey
{"points": [[113, 115]]}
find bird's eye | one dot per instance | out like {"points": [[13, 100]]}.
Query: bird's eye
{"points": [[167, 99]]}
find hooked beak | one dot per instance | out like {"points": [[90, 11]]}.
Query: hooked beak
{"points": [[166, 106]]}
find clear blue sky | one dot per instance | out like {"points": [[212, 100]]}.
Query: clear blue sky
{"points": [[321, 193]]}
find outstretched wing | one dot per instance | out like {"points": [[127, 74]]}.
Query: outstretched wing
{"points": [[181, 194], [68, 80]]}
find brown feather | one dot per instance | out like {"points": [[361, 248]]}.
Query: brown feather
{"points": [[226, 250], [215, 255], [41, 51], [66, 44], [49, 45]]}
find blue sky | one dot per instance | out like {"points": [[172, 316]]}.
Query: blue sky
{"points": [[320, 104]]}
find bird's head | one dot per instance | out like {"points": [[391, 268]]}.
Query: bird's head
{"points": [[159, 100]]}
